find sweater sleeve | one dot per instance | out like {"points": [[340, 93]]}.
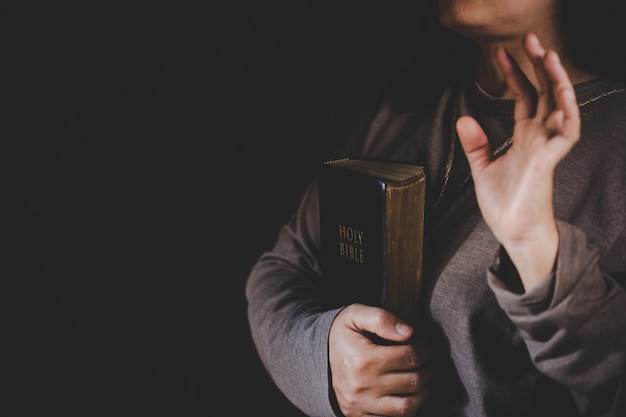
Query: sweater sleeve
{"points": [[574, 323], [288, 322]]}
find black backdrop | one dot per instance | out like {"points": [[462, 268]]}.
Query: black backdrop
{"points": [[158, 151]]}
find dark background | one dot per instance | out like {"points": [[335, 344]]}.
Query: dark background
{"points": [[158, 152]]}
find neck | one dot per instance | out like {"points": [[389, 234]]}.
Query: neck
{"points": [[491, 80]]}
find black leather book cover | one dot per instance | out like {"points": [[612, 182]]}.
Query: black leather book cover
{"points": [[371, 231]]}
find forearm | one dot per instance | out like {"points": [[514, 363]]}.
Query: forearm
{"points": [[535, 258], [290, 332], [287, 316], [574, 323]]}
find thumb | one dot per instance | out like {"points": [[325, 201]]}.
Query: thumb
{"points": [[474, 142], [380, 322]]}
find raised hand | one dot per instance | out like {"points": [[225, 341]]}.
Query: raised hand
{"points": [[514, 191], [375, 369]]}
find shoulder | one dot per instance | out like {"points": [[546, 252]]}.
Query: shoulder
{"points": [[601, 95], [603, 118], [590, 181], [602, 105]]}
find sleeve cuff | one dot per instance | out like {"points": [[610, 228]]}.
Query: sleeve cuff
{"points": [[574, 258], [506, 284]]}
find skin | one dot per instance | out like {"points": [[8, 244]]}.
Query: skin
{"points": [[514, 192]]}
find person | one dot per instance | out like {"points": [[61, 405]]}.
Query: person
{"points": [[524, 271]]}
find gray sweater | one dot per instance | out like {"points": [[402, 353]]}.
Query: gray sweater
{"points": [[558, 350]]}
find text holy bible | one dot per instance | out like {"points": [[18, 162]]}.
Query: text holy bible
{"points": [[371, 230]]}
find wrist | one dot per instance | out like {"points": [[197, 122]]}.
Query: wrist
{"points": [[534, 258]]}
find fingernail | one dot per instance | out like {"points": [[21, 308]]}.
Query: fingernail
{"points": [[403, 329], [534, 39]]}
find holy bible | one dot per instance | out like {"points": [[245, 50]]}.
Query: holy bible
{"points": [[371, 231]]}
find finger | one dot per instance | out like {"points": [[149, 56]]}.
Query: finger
{"points": [[536, 54], [523, 91], [407, 357], [568, 135], [554, 122], [399, 405], [565, 96], [475, 144], [406, 383], [381, 323]]}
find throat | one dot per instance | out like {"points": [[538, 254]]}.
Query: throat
{"points": [[493, 83]]}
